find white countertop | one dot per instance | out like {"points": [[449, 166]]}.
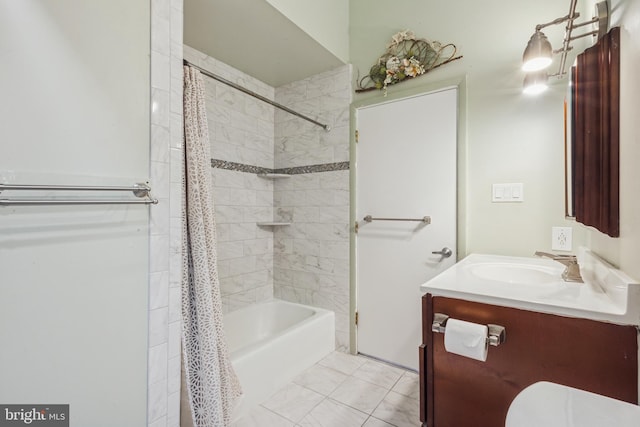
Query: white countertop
{"points": [[607, 294]]}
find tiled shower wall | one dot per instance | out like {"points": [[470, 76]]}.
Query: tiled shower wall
{"points": [[165, 267], [241, 132], [308, 261], [312, 255]]}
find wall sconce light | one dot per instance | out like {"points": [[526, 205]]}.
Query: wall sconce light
{"points": [[535, 82], [537, 55]]}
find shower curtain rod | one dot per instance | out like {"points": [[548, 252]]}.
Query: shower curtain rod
{"points": [[255, 95]]}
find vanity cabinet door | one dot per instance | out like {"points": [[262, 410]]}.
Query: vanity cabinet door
{"points": [[458, 391]]}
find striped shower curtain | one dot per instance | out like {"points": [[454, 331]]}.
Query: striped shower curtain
{"points": [[210, 382]]}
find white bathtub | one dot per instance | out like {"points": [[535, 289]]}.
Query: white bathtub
{"points": [[272, 342]]}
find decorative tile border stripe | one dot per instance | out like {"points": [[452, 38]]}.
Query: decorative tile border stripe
{"points": [[239, 167], [326, 167], [233, 166]]}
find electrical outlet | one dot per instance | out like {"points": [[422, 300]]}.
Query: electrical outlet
{"points": [[561, 238]]}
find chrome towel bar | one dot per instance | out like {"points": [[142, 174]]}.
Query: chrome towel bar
{"points": [[497, 333], [424, 219], [140, 190], [34, 202]]}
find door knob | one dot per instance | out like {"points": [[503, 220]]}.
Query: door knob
{"points": [[444, 253]]}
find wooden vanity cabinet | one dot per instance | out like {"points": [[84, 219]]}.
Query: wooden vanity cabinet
{"points": [[457, 391]]}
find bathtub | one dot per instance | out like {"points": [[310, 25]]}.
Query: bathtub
{"points": [[272, 342]]}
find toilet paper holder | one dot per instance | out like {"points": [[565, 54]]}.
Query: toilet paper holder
{"points": [[497, 334]]}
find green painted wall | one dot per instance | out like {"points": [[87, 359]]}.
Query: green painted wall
{"points": [[509, 137]]}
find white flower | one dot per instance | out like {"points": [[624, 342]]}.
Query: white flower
{"points": [[393, 64], [401, 36], [412, 67]]}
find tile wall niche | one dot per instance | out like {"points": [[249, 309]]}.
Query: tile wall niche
{"points": [[308, 261]]}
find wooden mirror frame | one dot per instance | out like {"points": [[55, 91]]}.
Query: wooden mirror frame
{"points": [[593, 126], [568, 148]]}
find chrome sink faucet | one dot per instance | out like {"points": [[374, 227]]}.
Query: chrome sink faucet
{"points": [[572, 271]]}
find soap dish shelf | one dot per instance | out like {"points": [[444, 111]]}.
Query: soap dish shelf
{"points": [[272, 224], [274, 175]]}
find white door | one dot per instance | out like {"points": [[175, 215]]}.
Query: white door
{"points": [[405, 169]]}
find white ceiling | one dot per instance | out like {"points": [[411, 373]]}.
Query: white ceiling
{"points": [[255, 38]]}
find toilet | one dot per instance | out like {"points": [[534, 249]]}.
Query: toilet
{"points": [[554, 405]]}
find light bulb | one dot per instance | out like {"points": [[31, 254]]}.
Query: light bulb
{"points": [[537, 54], [535, 83]]}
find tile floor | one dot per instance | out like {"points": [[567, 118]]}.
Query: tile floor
{"points": [[342, 391]]}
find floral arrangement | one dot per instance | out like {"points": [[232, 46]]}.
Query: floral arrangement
{"points": [[406, 57], [397, 69]]}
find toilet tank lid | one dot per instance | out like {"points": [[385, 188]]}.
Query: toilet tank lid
{"points": [[554, 405]]}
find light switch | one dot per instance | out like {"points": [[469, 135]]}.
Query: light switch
{"points": [[516, 192], [510, 192]]}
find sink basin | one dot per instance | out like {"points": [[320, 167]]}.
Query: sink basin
{"points": [[515, 273], [535, 284]]}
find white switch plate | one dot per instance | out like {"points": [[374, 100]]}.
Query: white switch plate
{"points": [[510, 192], [561, 238]]}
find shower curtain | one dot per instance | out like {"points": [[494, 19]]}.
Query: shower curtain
{"points": [[210, 382]]}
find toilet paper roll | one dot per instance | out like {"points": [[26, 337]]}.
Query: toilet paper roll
{"points": [[466, 339]]}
